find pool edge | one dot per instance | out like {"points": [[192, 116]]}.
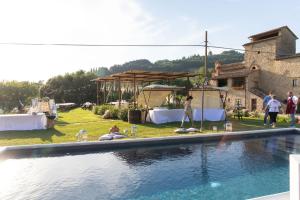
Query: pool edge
{"points": [[47, 149], [277, 196]]}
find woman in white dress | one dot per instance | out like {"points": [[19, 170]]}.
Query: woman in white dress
{"points": [[188, 111]]}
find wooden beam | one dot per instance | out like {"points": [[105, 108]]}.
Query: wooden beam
{"points": [[143, 75]]}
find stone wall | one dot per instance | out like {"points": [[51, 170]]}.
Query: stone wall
{"points": [[260, 53], [244, 95], [272, 73], [234, 95], [253, 79], [259, 101], [284, 72], [275, 75], [286, 43]]}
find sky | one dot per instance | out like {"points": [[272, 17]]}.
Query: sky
{"points": [[228, 22]]}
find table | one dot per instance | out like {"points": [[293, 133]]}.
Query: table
{"points": [[18, 122], [160, 116]]}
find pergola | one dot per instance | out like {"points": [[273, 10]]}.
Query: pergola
{"points": [[138, 77]]}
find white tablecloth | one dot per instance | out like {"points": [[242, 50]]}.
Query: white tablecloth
{"points": [[23, 122], [175, 115]]}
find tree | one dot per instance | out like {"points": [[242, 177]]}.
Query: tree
{"points": [[11, 92], [74, 87], [101, 71]]}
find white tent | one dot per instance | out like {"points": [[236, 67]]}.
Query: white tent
{"points": [[156, 95]]}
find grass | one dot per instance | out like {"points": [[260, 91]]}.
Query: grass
{"points": [[69, 123]]}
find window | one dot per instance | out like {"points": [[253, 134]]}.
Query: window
{"points": [[295, 83], [222, 82], [238, 82]]}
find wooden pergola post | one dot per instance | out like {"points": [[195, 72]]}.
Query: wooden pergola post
{"points": [[97, 101], [187, 85], [134, 91], [120, 92], [104, 93]]}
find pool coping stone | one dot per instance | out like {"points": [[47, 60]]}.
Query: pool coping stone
{"points": [[72, 147]]}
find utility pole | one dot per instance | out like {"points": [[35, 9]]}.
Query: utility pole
{"points": [[204, 83], [205, 61]]}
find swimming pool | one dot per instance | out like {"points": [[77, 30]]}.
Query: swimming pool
{"points": [[237, 169]]}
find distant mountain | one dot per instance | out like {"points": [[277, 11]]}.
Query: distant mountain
{"points": [[190, 64]]}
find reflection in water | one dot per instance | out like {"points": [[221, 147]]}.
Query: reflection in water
{"points": [[224, 170], [204, 164], [146, 156]]}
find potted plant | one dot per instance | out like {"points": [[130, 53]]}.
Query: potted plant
{"points": [[134, 115]]}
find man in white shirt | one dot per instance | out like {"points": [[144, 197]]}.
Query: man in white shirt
{"points": [[274, 107]]}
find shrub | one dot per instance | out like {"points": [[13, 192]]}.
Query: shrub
{"points": [[114, 112], [255, 114], [95, 109], [283, 119], [103, 108], [123, 114], [246, 113]]}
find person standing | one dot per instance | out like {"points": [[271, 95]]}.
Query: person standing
{"points": [[188, 111], [291, 107], [273, 106], [266, 100]]}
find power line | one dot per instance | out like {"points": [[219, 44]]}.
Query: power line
{"points": [[129, 45], [102, 45]]}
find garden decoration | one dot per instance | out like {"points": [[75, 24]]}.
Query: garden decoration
{"points": [[82, 135]]}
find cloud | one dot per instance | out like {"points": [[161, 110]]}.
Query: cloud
{"points": [[69, 21], [72, 20], [92, 22]]}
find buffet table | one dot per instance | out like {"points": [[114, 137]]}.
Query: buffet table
{"points": [[18, 122], [160, 116]]}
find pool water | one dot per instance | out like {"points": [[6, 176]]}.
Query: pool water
{"points": [[224, 170]]}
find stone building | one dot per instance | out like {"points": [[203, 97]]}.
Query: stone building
{"points": [[270, 64]]}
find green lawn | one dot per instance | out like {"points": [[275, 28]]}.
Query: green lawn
{"points": [[69, 123]]}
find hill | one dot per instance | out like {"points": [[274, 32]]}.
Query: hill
{"points": [[191, 64]]}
